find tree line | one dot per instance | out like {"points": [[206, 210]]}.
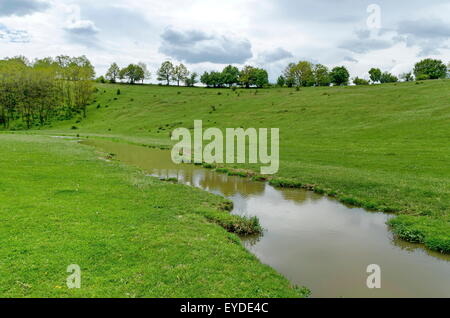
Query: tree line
{"points": [[305, 73], [301, 74], [169, 73], [33, 93]]}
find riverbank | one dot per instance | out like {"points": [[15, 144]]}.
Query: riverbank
{"points": [[381, 147], [131, 235], [308, 237]]}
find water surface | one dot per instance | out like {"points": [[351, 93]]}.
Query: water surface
{"points": [[311, 239]]}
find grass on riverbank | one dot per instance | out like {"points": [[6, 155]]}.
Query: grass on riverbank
{"points": [[132, 236], [384, 147]]}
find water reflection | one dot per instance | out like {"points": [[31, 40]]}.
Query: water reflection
{"points": [[311, 239]]}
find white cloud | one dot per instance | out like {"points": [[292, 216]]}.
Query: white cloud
{"points": [[209, 34]]}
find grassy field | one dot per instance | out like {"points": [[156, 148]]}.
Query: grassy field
{"points": [[132, 235], [383, 147]]}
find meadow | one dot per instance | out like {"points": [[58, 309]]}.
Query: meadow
{"points": [[383, 147], [132, 236]]}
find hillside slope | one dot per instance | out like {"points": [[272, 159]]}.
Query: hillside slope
{"points": [[384, 147]]}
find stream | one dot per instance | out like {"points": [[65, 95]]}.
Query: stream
{"points": [[313, 240]]}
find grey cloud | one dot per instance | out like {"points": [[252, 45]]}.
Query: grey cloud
{"points": [[196, 47], [275, 55], [365, 45], [82, 32], [21, 7], [185, 38], [362, 34], [14, 36], [425, 29], [350, 59], [430, 35], [82, 28]]}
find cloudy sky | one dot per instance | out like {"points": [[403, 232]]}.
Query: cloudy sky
{"points": [[208, 34]]}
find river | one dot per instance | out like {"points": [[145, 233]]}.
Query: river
{"points": [[311, 239]]}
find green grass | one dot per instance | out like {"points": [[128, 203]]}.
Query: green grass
{"points": [[132, 235], [382, 147]]}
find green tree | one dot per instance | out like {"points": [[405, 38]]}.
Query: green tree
{"points": [[288, 74], [165, 72], [247, 76], [281, 81], [147, 73], [321, 75], [205, 79], [216, 79], [375, 75], [230, 75], [303, 74], [430, 69], [113, 73], [261, 77], [180, 74], [360, 81], [387, 77], [35, 92], [339, 76], [407, 77], [132, 73], [191, 80]]}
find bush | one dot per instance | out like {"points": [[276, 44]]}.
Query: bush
{"points": [[360, 81], [433, 69], [101, 79], [422, 77], [387, 77], [285, 183], [241, 174]]}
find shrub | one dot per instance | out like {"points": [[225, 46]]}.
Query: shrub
{"points": [[360, 81], [222, 170], [233, 223], [422, 77], [241, 174], [434, 69]]}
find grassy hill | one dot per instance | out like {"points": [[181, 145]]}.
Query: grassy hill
{"points": [[131, 235], [383, 147]]}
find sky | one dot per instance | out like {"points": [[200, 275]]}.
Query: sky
{"points": [[207, 35]]}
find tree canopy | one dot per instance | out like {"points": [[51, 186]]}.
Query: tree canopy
{"points": [[166, 72], [430, 69], [340, 76], [180, 74], [132, 73], [113, 73], [34, 93], [375, 75]]}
